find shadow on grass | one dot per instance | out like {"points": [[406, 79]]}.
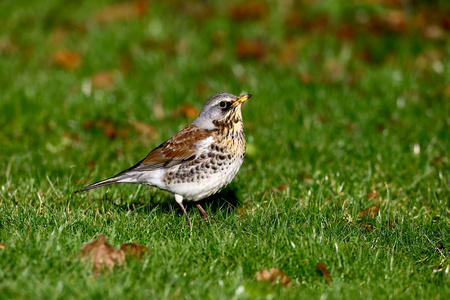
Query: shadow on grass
{"points": [[226, 202]]}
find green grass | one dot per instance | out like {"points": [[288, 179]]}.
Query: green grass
{"points": [[337, 117]]}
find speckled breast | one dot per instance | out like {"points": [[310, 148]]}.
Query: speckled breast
{"points": [[212, 169]]}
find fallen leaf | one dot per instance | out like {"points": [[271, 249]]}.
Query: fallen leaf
{"points": [[289, 52], [390, 223], [103, 79], [396, 20], [121, 11], [102, 254], [241, 212], [248, 11], [273, 275], [108, 126], [372, 194], [295, 19], [133, 249], [158, 110], [346, 32], [367, 226], [280, 188], [2, 246], [370, 211], [200, 10], [250, 49], [68, 59], [8, 46], [145, 129], [306, 77], [189, 111], [58, 34], [324, 270], [434, 32]]}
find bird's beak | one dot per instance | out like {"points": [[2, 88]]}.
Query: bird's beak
{"points": [[242, 99]]}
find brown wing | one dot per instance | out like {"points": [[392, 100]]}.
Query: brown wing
{"points": [[181, 147]]}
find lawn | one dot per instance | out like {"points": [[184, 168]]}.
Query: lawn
{"points": [[345, 186]]}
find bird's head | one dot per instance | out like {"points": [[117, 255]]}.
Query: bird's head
{"points": [[221, 108]]}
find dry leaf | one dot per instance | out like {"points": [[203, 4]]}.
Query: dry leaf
{"points": [[273, 275], [2, 246], [8, 46], [133, 249], [323, 269], [145, 129], [295, 19], [370, 211], [280, 188], [68, 59], [103, 79], [122, 11], [58, 34], [189, 111], [396, 19], [434, 32], [250, 49], [372, 194], [109, 127], [102, 254], [158, 110], [248, 11]]}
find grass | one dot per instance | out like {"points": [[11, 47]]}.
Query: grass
{"points": [[347, 160]]}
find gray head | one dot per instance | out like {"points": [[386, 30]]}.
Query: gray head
{"points": [[220, 108]]}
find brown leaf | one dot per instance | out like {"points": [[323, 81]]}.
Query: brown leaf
{"points": [[248, 11], [109, 128], [133, 249], [8, 46], [273, 275], [391, 223], [2, 246], [280, 188], [396, 20], [67, 59], [370, 211], [241, 212], [189, 111], [103, 79], [346, 32], [434, 32], [121, 11], [102, 254], [324, 270], [372, 194], [250, 49], [58, 34], [158, 110], [367, 226], [306, 77], [295, 19], [145, 129]]}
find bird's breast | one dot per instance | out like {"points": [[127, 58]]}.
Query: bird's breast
{"points": [[217, 162]]}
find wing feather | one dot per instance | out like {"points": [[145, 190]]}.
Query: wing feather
{"points": [[180, 148]]}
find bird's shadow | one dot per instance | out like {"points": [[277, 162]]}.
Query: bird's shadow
{"points": [[226, 201]]}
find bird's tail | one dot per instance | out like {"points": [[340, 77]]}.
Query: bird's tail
{"points": [[101, 183]]}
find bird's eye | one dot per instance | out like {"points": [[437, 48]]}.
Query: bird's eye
{"points": [[223, 104]]}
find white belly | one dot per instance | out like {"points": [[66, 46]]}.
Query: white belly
{"points": [[209, 185]]}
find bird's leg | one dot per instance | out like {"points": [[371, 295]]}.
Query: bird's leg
{"points": [[205, 215], [179, 200]]}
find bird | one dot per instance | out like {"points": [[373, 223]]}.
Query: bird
{"points": [[198, 161]]}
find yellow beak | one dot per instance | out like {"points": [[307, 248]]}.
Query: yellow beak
{"points": [[243, 98]]}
